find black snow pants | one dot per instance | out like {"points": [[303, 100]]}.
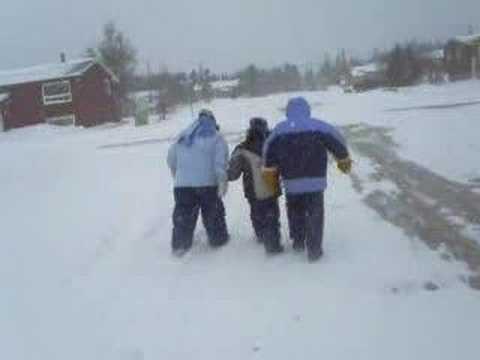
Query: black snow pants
{"points": [[305, 219], [189, 201], [265, 216]]}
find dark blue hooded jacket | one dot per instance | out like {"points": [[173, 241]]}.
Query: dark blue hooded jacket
{"points": [[298, 147]]}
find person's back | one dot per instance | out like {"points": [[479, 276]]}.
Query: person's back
{"points": [[198, 161], [201, 163], [297, 149], [247, 160]]}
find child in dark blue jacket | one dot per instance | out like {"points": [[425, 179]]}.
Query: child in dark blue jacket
{"points": [[297, 148]]}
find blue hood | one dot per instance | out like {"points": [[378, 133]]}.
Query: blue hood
{"points": [[298, 109], [204, 126]]}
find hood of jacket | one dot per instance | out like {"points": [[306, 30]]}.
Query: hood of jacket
{"points": [[204, 126], [298, 109]]}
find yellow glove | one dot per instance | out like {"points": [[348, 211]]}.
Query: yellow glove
{"points": [[271, 179], [345, 165]]}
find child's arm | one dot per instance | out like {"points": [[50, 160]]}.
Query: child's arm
{"points": [[236, 165]]}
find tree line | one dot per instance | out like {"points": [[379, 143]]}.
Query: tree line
{"points": [[403, 65], [410, 63]]}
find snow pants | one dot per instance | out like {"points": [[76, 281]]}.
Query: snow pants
{"points": [[265, 216], [189, 201], [305, 220]]}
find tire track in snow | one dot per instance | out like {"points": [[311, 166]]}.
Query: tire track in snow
{"points": [[231, 137], [426, 205]]}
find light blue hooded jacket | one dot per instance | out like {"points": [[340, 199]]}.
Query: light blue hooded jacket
{"points": [[200, 155]]}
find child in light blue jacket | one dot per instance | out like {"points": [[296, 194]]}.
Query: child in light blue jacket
{"points": [[198, 161]]}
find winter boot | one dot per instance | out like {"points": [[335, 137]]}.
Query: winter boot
{"points": [[219, 241], [180, 252], [314, 255], [274, 250], [298, 245], [258, 239]]}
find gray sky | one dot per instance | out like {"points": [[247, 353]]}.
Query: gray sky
{"points": [[225, 34]]}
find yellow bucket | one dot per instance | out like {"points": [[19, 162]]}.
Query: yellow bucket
{"points": [[272, 179]]}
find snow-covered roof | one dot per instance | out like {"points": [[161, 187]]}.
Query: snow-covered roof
{"points": [[4, 96], [437, 54], [141, 94], [434, 55], [61, 70], [468, 39], [365, 69], [225, 84]]}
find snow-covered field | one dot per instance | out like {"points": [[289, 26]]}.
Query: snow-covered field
{"points": [[86, 270]]}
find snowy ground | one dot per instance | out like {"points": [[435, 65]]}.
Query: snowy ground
{"points": [[86, 270]]}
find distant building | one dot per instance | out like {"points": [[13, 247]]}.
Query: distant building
{"points": [[78, 92], [225, 88], [4, 97], [149, 97], [462, 57], [366, 77], [219, 88], [433, 65]]}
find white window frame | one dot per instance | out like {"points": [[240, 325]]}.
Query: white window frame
{"points": [[54, 120], [57, 98]]}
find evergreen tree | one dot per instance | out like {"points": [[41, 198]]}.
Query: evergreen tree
{"points": [[395, 66], [342, 67], [118, 54], [403, 66], [249, 80], [327, 72], [206, 90], [310, 81], [292, 80]]}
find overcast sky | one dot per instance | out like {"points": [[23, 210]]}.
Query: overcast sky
{"points": [[225, 34]]}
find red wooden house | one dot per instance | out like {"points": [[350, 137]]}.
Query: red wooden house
{"points": [[3, 109], [78, 92]]}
